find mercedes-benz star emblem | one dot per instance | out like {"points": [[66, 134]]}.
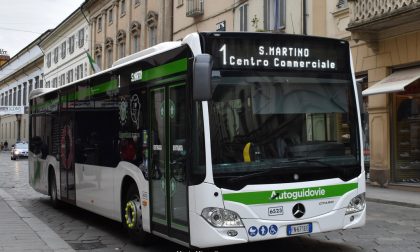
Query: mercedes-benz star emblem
{"points": [[298, 210]]}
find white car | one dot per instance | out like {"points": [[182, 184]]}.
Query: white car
{"points": [[19, 150]]}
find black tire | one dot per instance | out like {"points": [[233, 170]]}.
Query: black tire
{"points": [[55, 202], [137, 234]]}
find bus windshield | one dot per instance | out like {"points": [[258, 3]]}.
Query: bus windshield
{"points": [[279, 129]]}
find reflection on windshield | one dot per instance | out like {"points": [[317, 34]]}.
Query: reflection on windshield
{"points": [[259, 122]]}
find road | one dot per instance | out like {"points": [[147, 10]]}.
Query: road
{"points": [[389, 227]]}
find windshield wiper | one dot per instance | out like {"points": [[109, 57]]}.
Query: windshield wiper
{"points": [[282, 167], [315, 160]]}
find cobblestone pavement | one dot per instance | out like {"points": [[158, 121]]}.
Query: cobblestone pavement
{"points": [[388, 228]]}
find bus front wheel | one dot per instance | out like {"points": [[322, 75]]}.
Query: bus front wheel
{"points": [[132, 216]]}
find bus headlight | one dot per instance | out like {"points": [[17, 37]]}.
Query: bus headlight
{"points": [[16, 152], [356, 204], [220, 217]]}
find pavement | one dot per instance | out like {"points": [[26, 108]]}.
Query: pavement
{"points": [[392, 196], [20, 230]]}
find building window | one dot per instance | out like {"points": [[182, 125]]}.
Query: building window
{"points": [[30, 86], [70, 76], [71, 44], [136, 43], [38, 83], [152, 22], [121, 37], [10, 98], [98, 55], [99, 24], [62, 79], [109, 43], [110, 16], [79, 72], [14, 96], [81, 34], [54, 83], [56, 55], [274, 15], [63, 49], [243, 17], [195, 8], [49, 59], [122, 7], [19, 96], [47, 85], [25, 94], [2, 100], [135, 29]]}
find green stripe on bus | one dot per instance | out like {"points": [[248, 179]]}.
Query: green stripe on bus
{"points": [[298, 194], [165, 70], [102, 88]]}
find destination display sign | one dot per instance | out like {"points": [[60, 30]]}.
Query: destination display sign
{"points": [[279, 52]]}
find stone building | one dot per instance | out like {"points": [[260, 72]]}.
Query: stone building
{"points": [[18, 77], [284, 16], [65, 51], [121, 27], [385, 48]]}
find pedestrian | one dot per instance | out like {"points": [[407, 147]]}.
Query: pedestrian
{"points": [[5, 145]]}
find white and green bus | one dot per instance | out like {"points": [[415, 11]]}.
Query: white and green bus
{"points": [[218, 139]]}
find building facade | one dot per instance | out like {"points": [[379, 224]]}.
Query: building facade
{"points": [[123, 27], [65, 51], [18, 77], [385, 49], [285, 16]]}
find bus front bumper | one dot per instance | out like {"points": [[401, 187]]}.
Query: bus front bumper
{"points": [[204, 235]]}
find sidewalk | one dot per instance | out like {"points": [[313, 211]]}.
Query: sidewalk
{"points": [[21, 231], [392, 196]]}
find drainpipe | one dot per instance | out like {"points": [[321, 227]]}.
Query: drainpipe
{"points": [[304, 17]]}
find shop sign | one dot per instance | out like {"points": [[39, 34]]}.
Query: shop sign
{"points": [[12, 110]]}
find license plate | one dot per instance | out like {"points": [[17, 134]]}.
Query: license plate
{"points": [[299, 229]]}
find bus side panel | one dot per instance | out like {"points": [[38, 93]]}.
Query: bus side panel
{"points": [[95, 189], [38, 173]]}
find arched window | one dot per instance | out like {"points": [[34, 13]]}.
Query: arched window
{"points": [[152, 22], [98, 55], [109, 46], [121, 37], [135, 29]]}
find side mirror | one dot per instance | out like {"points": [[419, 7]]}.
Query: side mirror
{"points": [[202, 66]]}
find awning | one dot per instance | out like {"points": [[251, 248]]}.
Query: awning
{"points": [[396, 82]]}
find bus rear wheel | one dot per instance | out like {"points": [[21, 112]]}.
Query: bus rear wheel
{"points": [[132, 216]]}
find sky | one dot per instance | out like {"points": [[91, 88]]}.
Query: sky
{"points": [[22, 21]]}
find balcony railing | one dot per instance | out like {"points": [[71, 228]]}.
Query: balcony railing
{"points": [[195, 8], [365, 11]]}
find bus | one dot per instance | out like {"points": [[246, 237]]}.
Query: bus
{"points": [[221, 138]]}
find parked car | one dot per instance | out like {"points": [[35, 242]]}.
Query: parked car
{"points": [[19, 150]]}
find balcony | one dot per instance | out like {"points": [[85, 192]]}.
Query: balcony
{"points": [[369, 19], [195, 8]]}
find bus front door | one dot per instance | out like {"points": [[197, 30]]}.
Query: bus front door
{"points": [[169, 148]]}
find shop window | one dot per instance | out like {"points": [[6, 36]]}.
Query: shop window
{"points": [[407, 141]]}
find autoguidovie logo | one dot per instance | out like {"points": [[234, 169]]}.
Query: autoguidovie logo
{"points": [[298, 194]]}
